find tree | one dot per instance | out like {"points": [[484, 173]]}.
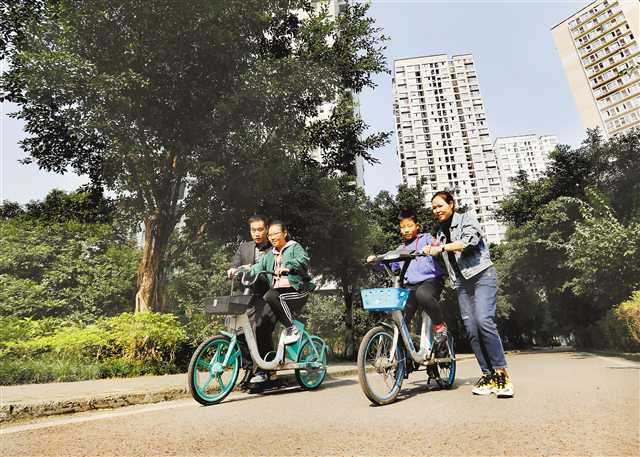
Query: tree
{"points": [[63, 257], [157, 96], [552, 271], [601, 255], [385, 208]]}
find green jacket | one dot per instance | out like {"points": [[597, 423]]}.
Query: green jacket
{"points": [[296, 259]]}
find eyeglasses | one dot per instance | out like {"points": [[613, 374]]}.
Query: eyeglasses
{"points": [[274, 234]]}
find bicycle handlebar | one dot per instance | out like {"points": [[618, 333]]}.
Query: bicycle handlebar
{"points": [[395, 256], [243, 273]]}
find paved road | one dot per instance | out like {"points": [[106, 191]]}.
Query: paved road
{"points": [[566, 404]]}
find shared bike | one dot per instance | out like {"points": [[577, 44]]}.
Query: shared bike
{"points": [[215, 365], [389, 352]]}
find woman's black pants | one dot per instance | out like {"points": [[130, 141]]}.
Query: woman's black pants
{"points": [[284, 302]]}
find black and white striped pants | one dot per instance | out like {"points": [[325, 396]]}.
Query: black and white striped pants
{"points": [[285, 301]]}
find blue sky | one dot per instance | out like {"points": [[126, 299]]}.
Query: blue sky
{"points": [[521, 79]]}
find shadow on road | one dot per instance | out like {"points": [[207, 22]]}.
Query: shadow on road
{"points": [[582, 355], [295, 389], [412, 388]]}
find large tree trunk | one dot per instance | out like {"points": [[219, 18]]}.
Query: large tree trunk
{"points": [[151, 295], [349, 337]]}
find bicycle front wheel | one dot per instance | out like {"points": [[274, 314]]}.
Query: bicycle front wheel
{"points": [[210, 379], [379, 373]]}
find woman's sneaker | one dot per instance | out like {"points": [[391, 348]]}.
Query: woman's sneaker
{"points": [[485, 385], [504, 388], [292, 335]]}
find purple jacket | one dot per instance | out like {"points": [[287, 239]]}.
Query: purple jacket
{"points": [[420, 268]]}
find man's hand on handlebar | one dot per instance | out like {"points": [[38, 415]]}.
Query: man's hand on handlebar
{"points": [[232, 272]]}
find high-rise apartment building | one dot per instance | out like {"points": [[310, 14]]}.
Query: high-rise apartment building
{"points": [[599, 50], [529, 153], [442, 133]]}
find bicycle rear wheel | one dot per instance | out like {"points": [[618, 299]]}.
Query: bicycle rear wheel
{"points": [[447, 370], [311, 378], [380, 377], [210, 381]]}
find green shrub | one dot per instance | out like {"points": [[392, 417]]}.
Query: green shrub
{"points": [[619, 330], [621, 326], [324, 316], [146, 337], [58, 350]]}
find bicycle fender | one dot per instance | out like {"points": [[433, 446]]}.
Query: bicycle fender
{"points": [[385, 324]]}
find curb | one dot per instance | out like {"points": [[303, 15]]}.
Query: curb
{"points": [[21, 411], [10, 412]]}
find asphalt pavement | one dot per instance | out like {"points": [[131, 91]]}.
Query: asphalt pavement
{"points": [[574, 404]]}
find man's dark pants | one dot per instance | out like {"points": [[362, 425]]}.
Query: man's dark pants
{"points": [[262, 320]]}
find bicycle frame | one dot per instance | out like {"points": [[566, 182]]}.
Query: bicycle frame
{"points": [[241, 324], [400, 330]]}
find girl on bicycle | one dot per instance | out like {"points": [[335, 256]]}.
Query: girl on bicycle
{"points": [[466, 256], [290, 282]]}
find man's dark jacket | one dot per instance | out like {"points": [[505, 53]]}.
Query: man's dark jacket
{"points": [[246, 253]]}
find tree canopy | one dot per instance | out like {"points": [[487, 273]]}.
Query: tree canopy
{"points": [[153, 98]]}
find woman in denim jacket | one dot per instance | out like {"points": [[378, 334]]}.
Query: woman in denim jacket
{"points": [[466, 256]]}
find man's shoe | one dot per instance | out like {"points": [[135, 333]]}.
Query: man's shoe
{"points": [[504, 387], [292, 335], [260, 376], [485, 385]]}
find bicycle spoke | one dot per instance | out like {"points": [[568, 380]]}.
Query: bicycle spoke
{"points": [[208, 383], [203, 364]]}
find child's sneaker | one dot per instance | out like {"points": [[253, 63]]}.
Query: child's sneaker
{"points": [[485, 385], [292, 335], [504, 388], [440, 333]]}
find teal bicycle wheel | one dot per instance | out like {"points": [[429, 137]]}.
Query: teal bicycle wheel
{"points": [[210, 380], [311, 378]]}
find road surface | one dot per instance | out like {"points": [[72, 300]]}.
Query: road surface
{"points": [[566, 404]]}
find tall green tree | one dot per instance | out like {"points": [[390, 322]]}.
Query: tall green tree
{"points": [[159, 96], [552, 271], [64, 256]]}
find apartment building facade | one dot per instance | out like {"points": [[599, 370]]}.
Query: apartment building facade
{"points": [[529, 153], [599, 50], [442, 134]]}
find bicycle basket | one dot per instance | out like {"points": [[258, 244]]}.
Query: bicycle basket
{"points": [[384, 299], [229, 304]]}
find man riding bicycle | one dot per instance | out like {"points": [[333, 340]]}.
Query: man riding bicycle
{"points": [[262, 318]]}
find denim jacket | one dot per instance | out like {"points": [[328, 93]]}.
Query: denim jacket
{"points": [[474, 258]]}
